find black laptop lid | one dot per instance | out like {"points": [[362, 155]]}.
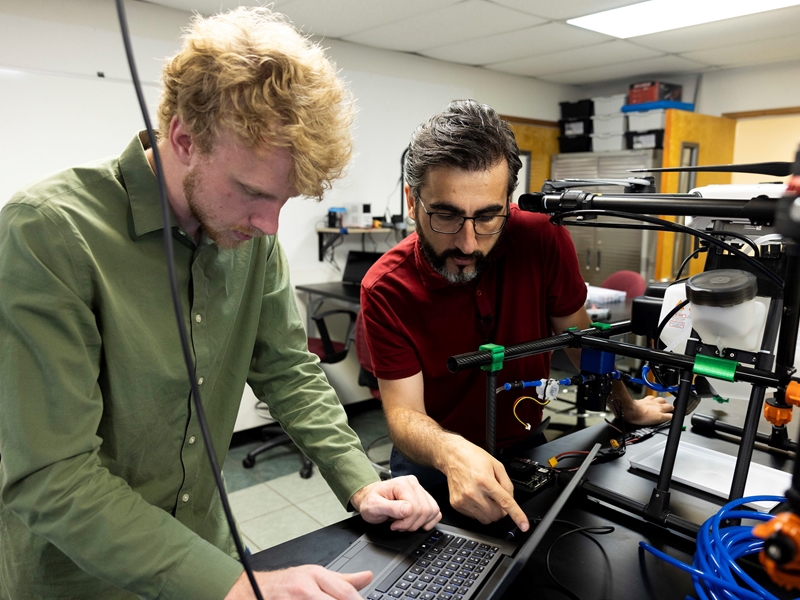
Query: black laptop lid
{"points": [[357, 265], [508, 569]]}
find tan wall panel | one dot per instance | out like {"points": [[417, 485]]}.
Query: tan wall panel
{"points": [[541, 142], [765, 139]]}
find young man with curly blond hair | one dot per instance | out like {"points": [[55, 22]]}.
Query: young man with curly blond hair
{"points": [[105, 489]]}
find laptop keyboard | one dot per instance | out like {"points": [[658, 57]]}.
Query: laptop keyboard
{"points": [[443, 567]]}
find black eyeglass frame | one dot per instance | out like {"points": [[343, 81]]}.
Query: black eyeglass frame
{"points": [[465, 219]]}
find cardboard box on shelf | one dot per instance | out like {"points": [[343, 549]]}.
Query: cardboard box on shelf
{"points": [[653, 91]]}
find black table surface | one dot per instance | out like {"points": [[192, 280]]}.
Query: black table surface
{"points": [[620, 569], [334, 289]]}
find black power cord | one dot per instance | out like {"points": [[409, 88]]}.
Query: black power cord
{"points": [[674, 227], [686, 260], [173, 282], [587, 532]]}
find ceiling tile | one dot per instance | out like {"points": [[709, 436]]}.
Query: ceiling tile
{"points": [[774, 23], [597, 55], [514, 36], [640, 68], [341, 18], [564, 9], [456, 23], [210, 7], [763, 51], [534, 41]]}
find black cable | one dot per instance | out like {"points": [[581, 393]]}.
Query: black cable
{"points": [[370, 446], [666, 319], [677, 228], [686, 262], [602, 225], [176, 302], [586, 532], [615, 225], [738, 236]]}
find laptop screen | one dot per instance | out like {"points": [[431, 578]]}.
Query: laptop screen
{"points": [[508, 571], [357, 265]]}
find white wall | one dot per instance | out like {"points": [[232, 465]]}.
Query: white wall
{"points": [[57, 112], [753, 88]]}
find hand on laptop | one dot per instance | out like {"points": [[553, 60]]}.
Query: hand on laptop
{"points": [[307, 581], [480, 487], [401, 499]]}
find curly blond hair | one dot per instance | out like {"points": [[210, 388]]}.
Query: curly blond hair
{"points": [[251, 73]]}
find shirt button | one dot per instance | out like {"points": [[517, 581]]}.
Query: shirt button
{"points": [[192, 440], [185, 497], [198, 318], [200, 381], [480, 293]]}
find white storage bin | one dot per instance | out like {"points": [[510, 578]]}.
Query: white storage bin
{"points": [[614, 124], [610, 104], [605, 142], [647, 120]]}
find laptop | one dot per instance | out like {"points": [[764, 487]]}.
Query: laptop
{"points": [[357, 265], [449, 562]]}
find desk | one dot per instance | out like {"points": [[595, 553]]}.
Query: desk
{"points": [[631, 572], [327, 236]]}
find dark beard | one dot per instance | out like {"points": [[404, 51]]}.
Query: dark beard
{"points": [[439, 261]]}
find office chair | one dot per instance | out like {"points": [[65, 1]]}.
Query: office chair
{"points": [[329, 352], [630, 282]]}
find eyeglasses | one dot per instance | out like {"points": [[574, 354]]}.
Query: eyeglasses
{"points": [[450, 224]]}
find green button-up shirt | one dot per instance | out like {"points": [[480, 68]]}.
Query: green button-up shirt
{"points": [[104, 481]]}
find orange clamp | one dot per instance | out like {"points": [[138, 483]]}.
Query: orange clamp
{"points": [[793, 393], [786, 524], [776, 415]]}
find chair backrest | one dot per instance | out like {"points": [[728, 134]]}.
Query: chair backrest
{"points": [[328, 350], [365, 376], [630, 282]]}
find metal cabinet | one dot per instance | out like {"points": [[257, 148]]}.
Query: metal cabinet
{"points": [[603, 251]]}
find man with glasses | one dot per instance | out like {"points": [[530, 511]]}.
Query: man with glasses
{"points": [[478, 270]]}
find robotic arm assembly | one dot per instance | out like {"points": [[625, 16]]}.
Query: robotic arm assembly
{"points": [[741, 331]]}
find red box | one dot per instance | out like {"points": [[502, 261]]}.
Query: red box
{"points": [[653, 91]]}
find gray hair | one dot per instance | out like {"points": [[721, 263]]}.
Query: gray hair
{"points": [[466, 135]]}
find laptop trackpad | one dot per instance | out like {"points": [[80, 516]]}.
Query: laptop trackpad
{"points": [[363, 556]]}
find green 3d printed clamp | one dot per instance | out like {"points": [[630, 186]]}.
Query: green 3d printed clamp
{"points": [[498, 353]]}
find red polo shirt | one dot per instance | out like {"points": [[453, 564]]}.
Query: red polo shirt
{"points": [[415, 320]]}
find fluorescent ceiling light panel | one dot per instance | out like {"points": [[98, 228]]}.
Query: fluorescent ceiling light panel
{"points": [[663, 15]]}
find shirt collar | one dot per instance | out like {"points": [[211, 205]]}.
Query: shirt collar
{"points": [[142, 186], [433, 281]]}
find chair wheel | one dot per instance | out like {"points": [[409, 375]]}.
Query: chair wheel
{"points": [[306, 472], [248, 462]]}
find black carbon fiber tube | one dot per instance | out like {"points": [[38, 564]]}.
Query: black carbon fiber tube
{"points": [[471, 360], [757, 209], [681, 361], [669, 519], [491, 412]]}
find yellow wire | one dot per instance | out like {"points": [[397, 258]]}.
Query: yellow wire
{"points": [[520, 399]]}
